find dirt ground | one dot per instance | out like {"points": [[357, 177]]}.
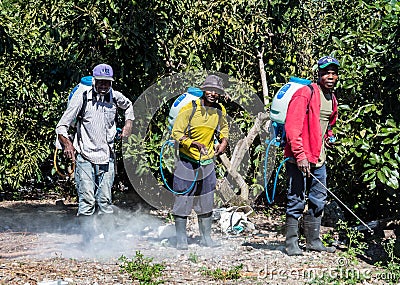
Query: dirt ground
{"points": [[40, 241]]}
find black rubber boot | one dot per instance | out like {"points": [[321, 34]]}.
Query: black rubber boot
{"points": [[312, 227], [181, 237], [205, 222], [292, 237]]}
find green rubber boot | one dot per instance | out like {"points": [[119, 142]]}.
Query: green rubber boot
{"points": [[312, 227], [181, 237], [292, 237], [205, 222]]}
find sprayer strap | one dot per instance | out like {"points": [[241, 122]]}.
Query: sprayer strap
{"points": [[84, 104], [194, 107]]}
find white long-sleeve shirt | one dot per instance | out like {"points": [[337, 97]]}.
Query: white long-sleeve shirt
{"points": [[94, 138]]}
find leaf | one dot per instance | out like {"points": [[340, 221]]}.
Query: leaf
{"points": [[369, 176], [393, 163], [381, 176], [393, 181], [338, 42], [386, 170], [387, 141]]}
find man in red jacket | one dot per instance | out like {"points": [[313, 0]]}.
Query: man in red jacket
{"points": [[311, 114]]}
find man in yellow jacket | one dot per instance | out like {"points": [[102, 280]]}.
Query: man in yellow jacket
{"points": [[195, 128]]}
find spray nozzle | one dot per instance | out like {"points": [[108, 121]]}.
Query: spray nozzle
{"points": [[119, 133]]}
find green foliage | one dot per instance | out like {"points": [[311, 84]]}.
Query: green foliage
{"points": [[368, 93], [347, 272], [141, 269], [392, 265], [193, 257], [327, 238], [355, 245], [382, 165], [45, 49], [390, 249], [221, 274]]}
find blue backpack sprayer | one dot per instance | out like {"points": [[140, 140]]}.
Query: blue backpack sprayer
{"points": [[278, 111], [191, 95]]}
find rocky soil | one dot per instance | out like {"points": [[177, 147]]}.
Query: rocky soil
{"points": [[40, 241]]}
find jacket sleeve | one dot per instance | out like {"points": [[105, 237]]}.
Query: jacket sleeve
{"points": [[295, 116]]}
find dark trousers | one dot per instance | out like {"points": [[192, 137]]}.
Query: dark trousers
{"points": [[299, 185], [201, 196]]}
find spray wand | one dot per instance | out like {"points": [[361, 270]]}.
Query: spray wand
{"points": [[337, 199]]}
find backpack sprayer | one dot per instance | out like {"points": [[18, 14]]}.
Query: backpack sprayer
{"points": [[278, 112], [191, 95]]}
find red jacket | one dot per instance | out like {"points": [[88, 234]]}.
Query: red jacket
{"points": [[303, 129]]}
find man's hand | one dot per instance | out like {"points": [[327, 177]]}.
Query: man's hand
{"points": [[220, 148], [201, 147], [127, 129], [304, 166], [329, 142], [69, 150]]}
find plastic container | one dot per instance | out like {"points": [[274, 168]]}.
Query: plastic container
{"points": [[282, 98], [193, 93], [86, 83]]}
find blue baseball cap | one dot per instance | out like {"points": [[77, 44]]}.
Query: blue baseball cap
{"points": [[327, 60]]}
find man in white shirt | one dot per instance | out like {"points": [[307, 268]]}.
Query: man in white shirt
{"points": [[92, 149]]}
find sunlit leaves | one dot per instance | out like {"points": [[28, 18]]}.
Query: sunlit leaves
{"points": [[45, 48]]}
